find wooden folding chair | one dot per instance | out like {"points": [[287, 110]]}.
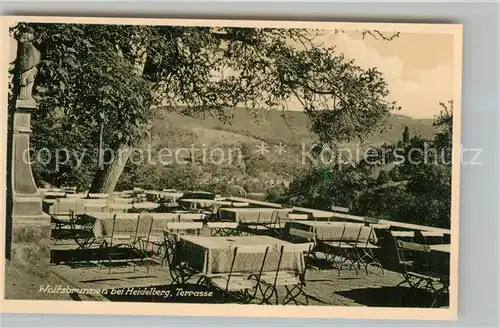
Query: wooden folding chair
{"points": [[431, 237], [365, 245], [62, 224], [223, 228], [143, 238], [257, 228], [120, 239], [293, 282], [422, 270], [340, 252], [298, 236], [236, 284], [404, 257], [275, 226], [179, 271]]}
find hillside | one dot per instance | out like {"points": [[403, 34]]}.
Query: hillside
{"points": [[290, 129], [238, 142]]}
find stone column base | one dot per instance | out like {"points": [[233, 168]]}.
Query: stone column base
{"points": [[27, 206]]}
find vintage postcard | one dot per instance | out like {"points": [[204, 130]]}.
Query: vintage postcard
{"points": [[231, 168]]}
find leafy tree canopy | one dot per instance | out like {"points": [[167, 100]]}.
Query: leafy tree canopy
{"points": [[119, 74]]}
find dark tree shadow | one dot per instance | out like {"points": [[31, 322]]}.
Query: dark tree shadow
{"points": [[393, 297]]}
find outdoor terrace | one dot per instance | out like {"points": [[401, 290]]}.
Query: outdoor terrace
{"points": [[369, 274]]}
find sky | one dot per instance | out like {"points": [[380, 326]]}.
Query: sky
{"points": [[417, 67]]}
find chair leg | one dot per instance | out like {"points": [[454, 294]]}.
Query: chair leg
{"points": [[372, 260], [293, 293], [131, 256], [109, 260], [267, 297]]}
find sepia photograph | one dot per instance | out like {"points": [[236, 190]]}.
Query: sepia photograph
{"points": [[289, 167]]}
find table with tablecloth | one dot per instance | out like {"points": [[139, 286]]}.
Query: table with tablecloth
{"points": [[126, 223], [214, 254], [332, 231], [253, 215]]}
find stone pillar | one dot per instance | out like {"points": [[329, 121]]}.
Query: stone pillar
{"points": [[28, 227], [26, 198]]}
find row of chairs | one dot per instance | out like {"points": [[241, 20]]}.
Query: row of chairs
{"points": [[239, 285], [418, 266], [143, 242], [353, 250]]}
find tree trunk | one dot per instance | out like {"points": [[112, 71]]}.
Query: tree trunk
{"points": [[106, 179]]}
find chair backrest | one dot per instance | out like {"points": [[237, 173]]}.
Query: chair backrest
{"points": [[144, 226], [367, 235], [124, 225], [413, 246], [300, 249], [421, 259], [355, 232], [405, 236], [112, 232], [94, 207], [275, 217], [430, 237], [171, 240], [248, 249]]}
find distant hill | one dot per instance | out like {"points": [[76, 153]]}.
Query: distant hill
{"points": [[254, 172], [289, 127]]}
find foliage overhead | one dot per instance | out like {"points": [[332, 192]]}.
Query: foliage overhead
{"points": [[92, 74]]}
